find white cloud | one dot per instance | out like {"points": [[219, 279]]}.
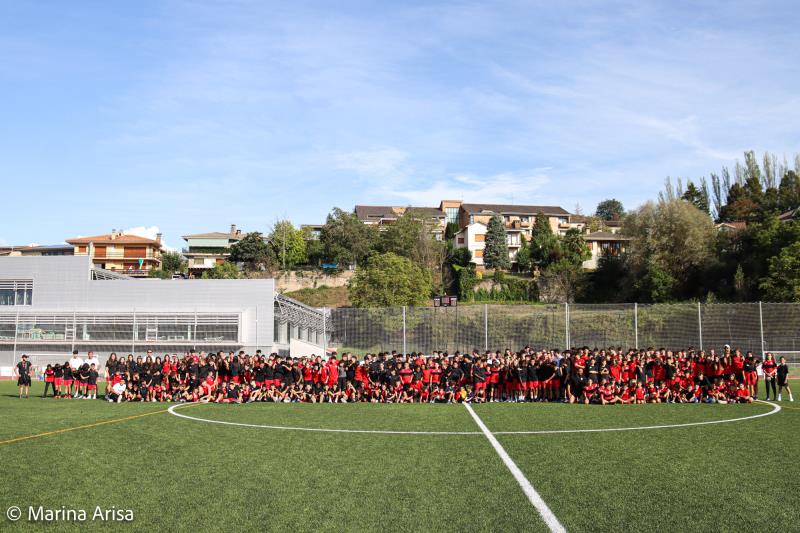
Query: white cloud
{"points": [[148, 232], [507, 187]]}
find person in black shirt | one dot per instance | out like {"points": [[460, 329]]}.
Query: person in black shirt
{"points": [[23, 370], [91, 383], [783, 379]]}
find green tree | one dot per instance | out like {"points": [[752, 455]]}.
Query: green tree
{"points": [[610, 209], [574, 248], [345, 239], [495, 252], [789, 191], [561, 281], [671, 244], [253, 251], [696, 196], [544, 243], [782, 283], [524, 258], [224, 270], [461, 257], [172, 262], [390, 280], [288, 245]]}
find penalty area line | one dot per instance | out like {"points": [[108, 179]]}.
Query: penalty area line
{"points": [[533, 496]]}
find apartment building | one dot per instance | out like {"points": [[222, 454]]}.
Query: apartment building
{"points": [[203, 251], [119, 252], [519, 220]]}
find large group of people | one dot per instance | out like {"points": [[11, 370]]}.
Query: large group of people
{"points": [[584, 375]]}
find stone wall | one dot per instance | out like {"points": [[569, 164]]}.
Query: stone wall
{"points": [[302, 279]]}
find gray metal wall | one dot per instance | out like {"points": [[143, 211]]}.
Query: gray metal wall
{"points": [[64, 284]]}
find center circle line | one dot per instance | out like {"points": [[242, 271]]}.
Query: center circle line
{"points": [[173, 411]]}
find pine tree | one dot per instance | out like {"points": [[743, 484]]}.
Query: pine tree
{"points": [[495, 253], [544, 243]]}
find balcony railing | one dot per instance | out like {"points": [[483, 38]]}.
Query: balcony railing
{"points": [[120, 254]]}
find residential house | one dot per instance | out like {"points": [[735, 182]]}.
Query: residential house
{"points": [[116, 251], [37, 250], [789, 215], [205, 250], [731, 227], [603, 243], [382, 215]]}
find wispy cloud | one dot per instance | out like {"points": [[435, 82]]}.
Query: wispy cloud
{"points": [[509, 187]]}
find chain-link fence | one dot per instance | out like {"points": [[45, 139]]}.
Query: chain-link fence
{"points": [[755, 327]]}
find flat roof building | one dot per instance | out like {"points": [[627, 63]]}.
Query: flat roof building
{"points": [[52, 305]]}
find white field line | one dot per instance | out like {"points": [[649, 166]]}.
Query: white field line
{"points": [[775, 409], [536, 500], [173, 411]]}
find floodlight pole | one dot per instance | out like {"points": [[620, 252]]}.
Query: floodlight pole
{"points": [[404, 331], [700, 325], [761, 326], [324, 331], [486, 327]]}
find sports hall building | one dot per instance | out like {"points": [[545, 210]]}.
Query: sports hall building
{"points": [[50, 306]]}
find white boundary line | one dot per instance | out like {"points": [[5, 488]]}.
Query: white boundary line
{"points": [[536, 500], [173, 411], [775, 409]]}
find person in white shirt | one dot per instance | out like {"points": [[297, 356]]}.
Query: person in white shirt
{"points": [[91, 359], [75, 364], [116, 392]]}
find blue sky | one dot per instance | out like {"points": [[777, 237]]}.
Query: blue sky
{"points": [[191, 115]]}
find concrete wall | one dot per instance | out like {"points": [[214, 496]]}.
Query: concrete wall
{"points": [[296, 280]]}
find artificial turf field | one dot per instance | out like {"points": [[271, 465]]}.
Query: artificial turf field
{"points": [[178, 474]]}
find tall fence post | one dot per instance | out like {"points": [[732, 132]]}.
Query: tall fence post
{"points": [[761, 326], [486, 327], [16, 335], [700, 325], [324, 330], [133, 337], [566, 326], [636, 324], [404, 331]]}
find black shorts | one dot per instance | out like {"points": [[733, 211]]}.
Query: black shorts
{"points": [[24, 381]]}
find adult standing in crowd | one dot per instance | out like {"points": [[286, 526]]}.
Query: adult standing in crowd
{"points": [[783, 379], [23, 370]]}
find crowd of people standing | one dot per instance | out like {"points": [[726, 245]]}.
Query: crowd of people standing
{"points": [[583, 375]]}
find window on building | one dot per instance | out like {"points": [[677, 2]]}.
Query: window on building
{"points": [[461, 240], [480, 238], [451, 214], [16, 292], [478, 253]]}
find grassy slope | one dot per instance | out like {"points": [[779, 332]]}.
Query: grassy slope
{"points": [[179, 474], [322, 296]]}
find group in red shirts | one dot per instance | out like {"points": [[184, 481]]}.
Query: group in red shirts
{"points": [[584, 375]]}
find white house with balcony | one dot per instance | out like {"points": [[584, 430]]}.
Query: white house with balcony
{"points": [[206, 250]]}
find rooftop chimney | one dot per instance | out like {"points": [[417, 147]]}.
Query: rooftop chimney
{"points": [[233, 229], [158, 237]]}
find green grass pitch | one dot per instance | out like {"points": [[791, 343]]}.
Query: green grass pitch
{"points": [[184, 475]]}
